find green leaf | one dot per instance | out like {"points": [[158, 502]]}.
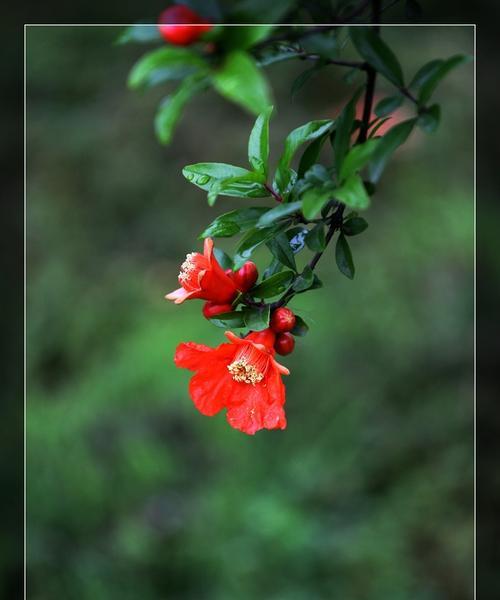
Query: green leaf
{"points": [[306, 133], [343, 130], [427, 88], [230, 320], [140, 33], [377, 53], [425, 73], [257, 319], [304, 281], [325, 45], [225, 261], [279, 247], [258, 143], [310, 155], [243, 36], [241, 81], [390, 142], [274, 285], [314, 200], [168, 57], [252, 240], [388, 105], [274, 267], [227, 180], [234, 222], [354, 226], [278, 212], [300, 328], [428, 120], [353, 193], [315, 239], [170, 110], [357, 158], [300, 81], [343, 257]]}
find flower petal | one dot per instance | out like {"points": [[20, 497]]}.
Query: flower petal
{"points": [[189, 355], [179, 295], [211, 389], [255, 412]]}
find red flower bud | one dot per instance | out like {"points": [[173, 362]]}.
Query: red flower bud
{"points": [[211, 309], [284, 344], [282, 320], [181, 26], [245, 277], [266, 337]]}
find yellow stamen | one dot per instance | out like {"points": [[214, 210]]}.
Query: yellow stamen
{"points": [[244, 372], [187, 267]]}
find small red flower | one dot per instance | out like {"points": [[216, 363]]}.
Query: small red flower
{"points": [[241, 376], [201, 276]]}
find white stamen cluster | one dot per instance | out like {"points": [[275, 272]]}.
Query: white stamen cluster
{"points": [[242, 371], [187, 267]]}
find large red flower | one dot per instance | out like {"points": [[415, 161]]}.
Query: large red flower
{"points": [[241, 376], [201, 276]]}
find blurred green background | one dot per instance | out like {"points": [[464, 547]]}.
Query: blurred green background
{"points": [[133, 494]]}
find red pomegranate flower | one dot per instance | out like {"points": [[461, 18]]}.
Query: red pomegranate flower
{"points": [[201, 276], [241, 376]]}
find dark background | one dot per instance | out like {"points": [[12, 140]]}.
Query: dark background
{"points": [[12, 430]]}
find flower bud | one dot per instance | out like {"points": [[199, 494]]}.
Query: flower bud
{"points": [[245, 277], [282, 320], [284, 344], [211, 309], [266, 337], [181, 26]]}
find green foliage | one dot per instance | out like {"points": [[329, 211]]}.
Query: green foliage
{"points": [[357, 158], [274, 285], [279, 246], [226, 180], [354, 225], [171, 108], [234, 222], [389, 143], [315, 239], [353, 193], [343, 257], [240, 80], [388, 105], [428, 119], [343, 130], [167, 59], [377, 53], [278, 212], [258, 143], [305, 133], [428, 77]]}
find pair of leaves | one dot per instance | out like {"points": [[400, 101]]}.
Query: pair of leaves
{"points": [[377, 53], [427, 77], [168, 59], [234, 222], [310, 131], [227, 180], [254, 318]]}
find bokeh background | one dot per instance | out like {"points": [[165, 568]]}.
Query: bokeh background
{"points": [[131, 493]]}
